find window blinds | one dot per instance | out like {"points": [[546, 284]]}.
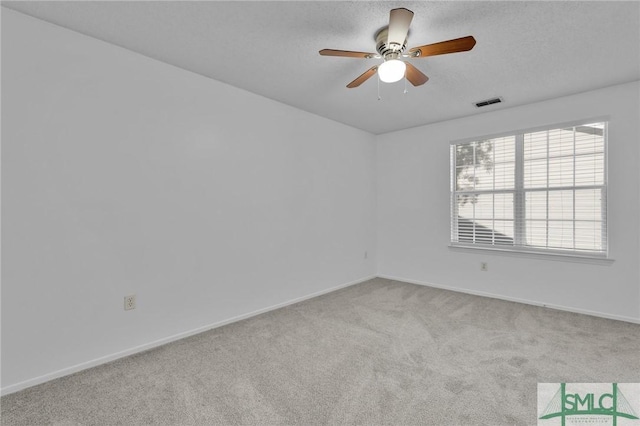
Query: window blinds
{"points": [[536, 191]]}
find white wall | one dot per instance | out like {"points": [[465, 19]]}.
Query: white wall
{"points": [[413, 211], [122, 175]]}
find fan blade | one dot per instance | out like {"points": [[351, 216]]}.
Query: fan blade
{"points": [[415, 76], [363, 77], [399, 21], [346, 53], [450, 46]]}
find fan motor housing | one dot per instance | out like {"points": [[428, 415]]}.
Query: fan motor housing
{"points": [[383, 48]]}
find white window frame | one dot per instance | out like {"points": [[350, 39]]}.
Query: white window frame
{"points": [[519, 193]]}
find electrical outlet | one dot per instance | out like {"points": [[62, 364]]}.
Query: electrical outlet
{"points": [[129, 302], [484, 266]]}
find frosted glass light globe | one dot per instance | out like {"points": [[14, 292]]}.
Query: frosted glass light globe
{"points": [[392, 70]]}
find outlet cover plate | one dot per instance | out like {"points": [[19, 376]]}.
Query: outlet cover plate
{"points": [[129, 302]]}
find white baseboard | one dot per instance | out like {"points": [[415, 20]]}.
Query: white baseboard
{"points": [[515, 299], [112, 357]]}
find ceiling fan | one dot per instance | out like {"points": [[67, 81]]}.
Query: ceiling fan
{"points": [[391, 43]]}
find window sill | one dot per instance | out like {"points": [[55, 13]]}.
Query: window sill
{"points": [[562, 257]]}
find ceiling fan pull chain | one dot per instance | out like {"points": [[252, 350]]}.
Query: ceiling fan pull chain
{"points": [[379, 98], [405, 82]]}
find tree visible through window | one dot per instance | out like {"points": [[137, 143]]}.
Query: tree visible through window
{"points": [[543, 190]]}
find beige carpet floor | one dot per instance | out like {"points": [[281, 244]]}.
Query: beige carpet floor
{"points": [[380, 352]]}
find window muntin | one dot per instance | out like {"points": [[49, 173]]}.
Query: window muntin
{"points": [[532, 191]]}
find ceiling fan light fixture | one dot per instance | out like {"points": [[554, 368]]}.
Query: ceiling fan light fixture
{"points": [[391, 42], [392, 70]]}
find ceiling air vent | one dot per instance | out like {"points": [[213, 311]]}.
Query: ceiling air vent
{"points": [[488, 102]]}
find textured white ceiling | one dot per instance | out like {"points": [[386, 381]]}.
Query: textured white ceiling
{"points": [[525, 51]]}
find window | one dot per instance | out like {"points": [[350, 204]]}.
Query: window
{"points": [[540, 191]]}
